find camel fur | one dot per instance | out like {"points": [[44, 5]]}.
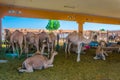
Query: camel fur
{"points": [[37, 61]]}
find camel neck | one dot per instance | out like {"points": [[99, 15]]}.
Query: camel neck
{"points": [[51, 59]]}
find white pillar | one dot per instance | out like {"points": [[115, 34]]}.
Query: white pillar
{"points": [[0, 32]]}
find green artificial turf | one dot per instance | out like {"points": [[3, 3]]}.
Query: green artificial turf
{"points": [[66, 69]]}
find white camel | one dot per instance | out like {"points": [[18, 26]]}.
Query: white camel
{"points": [[37, 61], [76, 39]]}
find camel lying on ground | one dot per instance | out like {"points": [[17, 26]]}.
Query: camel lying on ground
{"points": [[37, 61], [100, 53]]}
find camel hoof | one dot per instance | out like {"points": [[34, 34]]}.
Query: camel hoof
{"points": [[52, 65], [21, 70], [103, 58], [96, 58], [78, 60]]}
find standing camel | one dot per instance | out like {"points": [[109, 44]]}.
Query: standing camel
{"points": [[76, 39], [7, 37], [53, 39], [17, 38], [44, 39], [50, 41], [32, 39]]}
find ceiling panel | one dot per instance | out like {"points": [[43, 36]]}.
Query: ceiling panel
{"points": [[108, 8]]}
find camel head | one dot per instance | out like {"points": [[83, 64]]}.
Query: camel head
{"points": [[7, 31], [54, 53]]}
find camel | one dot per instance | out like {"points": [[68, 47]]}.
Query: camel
{"points": [[38, 40], [100, 53], [103, 43], [37, 61], [117, 39], [45, 40], [102, 50], [32, 39], [17, 38], [7, 37], [53, 39], [74, 38]]}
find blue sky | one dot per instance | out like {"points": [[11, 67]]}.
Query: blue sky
{"points": [[35, 23], [98, 26]]}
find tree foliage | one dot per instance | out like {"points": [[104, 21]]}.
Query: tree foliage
{"points": [[102, 29], [53, 25]]}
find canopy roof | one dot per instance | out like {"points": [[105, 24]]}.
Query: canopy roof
{"points": [[108, 8]]}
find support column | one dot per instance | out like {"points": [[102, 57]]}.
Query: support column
{"points": [[0, 33], [80, 27]]}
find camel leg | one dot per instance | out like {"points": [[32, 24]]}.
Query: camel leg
{"points": [[103, 56], [6, 48], [37, 45], [13, 47], [6, 44], [66, 48], [52, 47], [21, 50], [37, 48], [16, 49], [25, 46], [69, 46], [24, 70], [26, 49], [105, 53], [48, 49], [48, 65], [28, 68], [79, 46], [119, 50], [42, 50]]}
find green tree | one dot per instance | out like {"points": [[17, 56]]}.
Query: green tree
{"points": [[53, 25], [102, 29]]}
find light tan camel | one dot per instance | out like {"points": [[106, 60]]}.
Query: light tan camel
{"points": [[17, 38], [37, 61], [74, 38]]}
